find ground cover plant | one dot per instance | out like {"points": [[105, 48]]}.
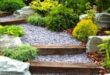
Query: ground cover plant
{"points": [[24, 52], [12, 30], [11, 5]]}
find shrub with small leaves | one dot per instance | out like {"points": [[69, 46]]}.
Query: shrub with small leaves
{"points": [[108, 10], [23, 53], [84, 29], [43, 7], [36, 20], [61, 18], [11, 5]]}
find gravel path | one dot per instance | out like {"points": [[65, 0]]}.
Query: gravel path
{"points": [[40, 35], [79, 58]]}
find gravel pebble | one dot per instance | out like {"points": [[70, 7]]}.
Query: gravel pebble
{"points": [[78, 58], [41, 35]]}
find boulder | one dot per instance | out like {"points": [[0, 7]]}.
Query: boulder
{"points": [[24, 12], [102, 19], [7, 41], [10, 66], [93, 42]]}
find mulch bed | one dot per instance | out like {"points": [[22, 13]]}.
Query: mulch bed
{"points": [[98, 58]]}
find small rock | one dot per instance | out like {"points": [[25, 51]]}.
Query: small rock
{"points": [[102, 19], [24, 12], [10, 66], [7, 41], [94, 41]]}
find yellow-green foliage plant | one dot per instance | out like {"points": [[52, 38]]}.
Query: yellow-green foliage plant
{"points": [[84, 29], [43, 7], [12, 30]]}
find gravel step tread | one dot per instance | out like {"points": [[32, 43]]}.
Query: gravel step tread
{"points": [[78, 58], [40, 35]]}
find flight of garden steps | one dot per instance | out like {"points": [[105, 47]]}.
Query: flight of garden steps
{"points": [[53, 68]]}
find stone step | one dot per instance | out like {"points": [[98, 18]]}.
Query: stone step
{"points": [[60, 49], [53, 68]]}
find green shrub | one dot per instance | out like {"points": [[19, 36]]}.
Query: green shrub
{"points": [[23, 53], [78, 6], [43, 7], [108, 10], [36, 20], [84, 29], [61, 18], [12, 30], [11, 5], [103, 4], [90, 12], [105, 48]]}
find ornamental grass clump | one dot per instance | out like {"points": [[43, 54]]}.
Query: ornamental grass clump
{"points": [[84, 29], [24, 52], [105, 49]]}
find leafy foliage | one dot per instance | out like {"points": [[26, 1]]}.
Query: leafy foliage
{"points": [[105, 48], [23, 53], [11, 5], [43, 7], [36, 20], [108, 10], [12, 30], [90, 11], [104, 4], [78, 6], [61, 18], [85, 28]]}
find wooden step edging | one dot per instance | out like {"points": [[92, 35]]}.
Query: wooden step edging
{"points": [[3, 14], [60, 49], [13, 21], [38, 67]]}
